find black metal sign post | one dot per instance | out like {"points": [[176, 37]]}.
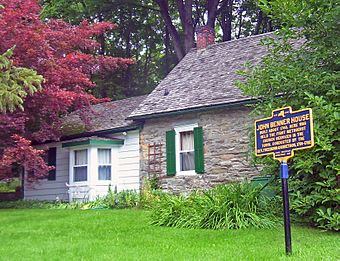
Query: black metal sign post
{"points": [[284, 180], [280, 135]]}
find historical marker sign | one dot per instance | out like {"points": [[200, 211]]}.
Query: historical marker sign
{"points": [[281, 134], [284, 132]]}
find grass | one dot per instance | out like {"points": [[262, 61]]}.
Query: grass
{"points": [[33, 234]]}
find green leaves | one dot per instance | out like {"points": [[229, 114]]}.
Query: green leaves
{"points": [[328, 219], [16, 83], [232, 206], [302, 71]]}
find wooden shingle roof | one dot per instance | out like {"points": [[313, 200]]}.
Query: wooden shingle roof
{"points": [[203, 78]]}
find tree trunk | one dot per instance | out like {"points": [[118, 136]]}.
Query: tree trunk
{"points": [[189, 27], [128, 74], [226, 19], [269, 25], [239, 25], [185, 14], [212, 12], [167, 53], [198, 14], [146, 67], [101, 38], [164, 8]]}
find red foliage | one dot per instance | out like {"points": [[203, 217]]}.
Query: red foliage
{"points": [[21, 152], [67, 57]]}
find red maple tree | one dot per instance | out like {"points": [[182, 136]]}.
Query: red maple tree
{"points": [[66, 56]]}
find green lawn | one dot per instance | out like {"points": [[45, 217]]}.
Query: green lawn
{"points": [[125, 235]]}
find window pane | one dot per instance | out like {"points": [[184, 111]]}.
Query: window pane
{"points": [[187, 140], [80, 157], [187, 161], [51, 175], [104, 156], [80, 173], [104, 172], [52, 160]]}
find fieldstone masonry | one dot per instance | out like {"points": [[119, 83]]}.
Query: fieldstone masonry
{"points": [[226, 149]]}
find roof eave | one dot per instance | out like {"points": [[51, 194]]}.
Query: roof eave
{"points": [[102, 132], [195, 109], [92, 142]]}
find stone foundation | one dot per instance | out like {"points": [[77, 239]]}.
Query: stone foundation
{"points": [[226, 148]]}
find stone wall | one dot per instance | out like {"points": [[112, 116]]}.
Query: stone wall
{"points": [[226, 148]]}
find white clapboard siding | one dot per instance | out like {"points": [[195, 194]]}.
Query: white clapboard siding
{"points": [[102, 190], [52, 189], [128, 165], [128, 160], [130, 186], [127, 174]]}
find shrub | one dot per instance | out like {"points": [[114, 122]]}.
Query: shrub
{"points": [[317, 203], [25, 204], [9, 185], [150, 194], [123, 199], [231, 206]]}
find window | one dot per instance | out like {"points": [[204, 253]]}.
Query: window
{"points": [[104, 164], [186, 150], [51, 161], [80, 165]]}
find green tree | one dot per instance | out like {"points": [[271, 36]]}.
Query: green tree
{"points": [[140, 34], [157, 33], [16, 83], [229, 18], [302, 70]]}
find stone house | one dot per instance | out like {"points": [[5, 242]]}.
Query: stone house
{"points": [[196, 122], [191, 132]]}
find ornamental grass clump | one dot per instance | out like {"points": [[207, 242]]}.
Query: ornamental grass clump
{"points": [[122, 199], [114, 200], [231, 206]]}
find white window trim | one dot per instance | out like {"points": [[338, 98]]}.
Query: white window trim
{"points": [[113, 160], [178, 129], [72, 165], [92, 167]]}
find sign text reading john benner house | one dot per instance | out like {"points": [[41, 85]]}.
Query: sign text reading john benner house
{"points": [[284, 132]]}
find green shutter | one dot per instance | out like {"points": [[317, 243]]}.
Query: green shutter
{"points": [[199, 150], [170, 153]]}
